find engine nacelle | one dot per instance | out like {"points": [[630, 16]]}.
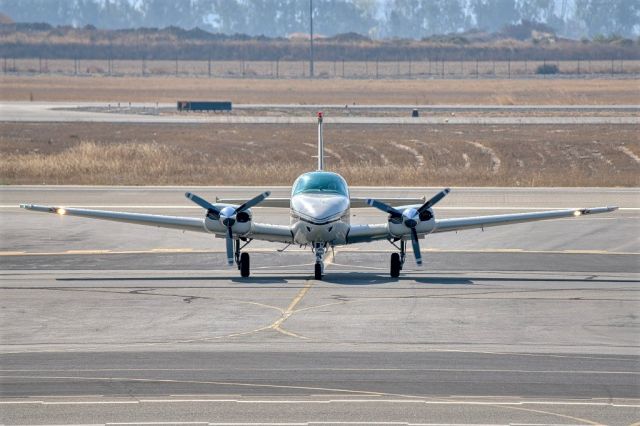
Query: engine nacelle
{"points": [[401, 226], [241, 223]]}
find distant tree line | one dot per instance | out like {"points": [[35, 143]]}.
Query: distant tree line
{"points": [[377, 19], [516, 42]]}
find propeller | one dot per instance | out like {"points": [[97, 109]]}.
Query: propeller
{"points": [[411, 217], [228, 215], [212, 211], [434, 200], [385, 208]]}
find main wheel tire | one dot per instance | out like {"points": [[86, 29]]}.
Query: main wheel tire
{"points": [[318, 271], [245, 265], [395, 265]]}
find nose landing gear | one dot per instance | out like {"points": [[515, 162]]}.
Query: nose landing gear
{"points": [[319, 249]]}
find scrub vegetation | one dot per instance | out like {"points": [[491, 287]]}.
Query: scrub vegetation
{"points": [[456, 155]]}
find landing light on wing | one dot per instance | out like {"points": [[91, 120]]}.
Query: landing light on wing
{"points": [[61, 211], [577, 213]]}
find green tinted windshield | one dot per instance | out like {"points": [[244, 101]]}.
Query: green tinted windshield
{"points": [[322, 182]]}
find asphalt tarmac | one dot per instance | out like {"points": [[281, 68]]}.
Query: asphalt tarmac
{"points": [[115, 323]]}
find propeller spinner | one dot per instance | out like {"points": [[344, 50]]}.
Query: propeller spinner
{"points": [[227, 216], [411, 217]]}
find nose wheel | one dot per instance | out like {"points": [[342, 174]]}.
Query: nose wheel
{"points": [[318, 269]]}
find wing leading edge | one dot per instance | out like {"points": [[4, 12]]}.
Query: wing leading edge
{"points": [[373, 232]]}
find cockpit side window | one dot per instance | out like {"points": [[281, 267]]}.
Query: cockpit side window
{"points": [[324, 183]]}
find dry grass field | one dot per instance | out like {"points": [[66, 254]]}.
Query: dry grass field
{"points": [[440, 91], [531, 155]]}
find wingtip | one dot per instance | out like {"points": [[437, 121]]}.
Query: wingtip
{"points": [[595, 210], [369, 201], [188, 195]]}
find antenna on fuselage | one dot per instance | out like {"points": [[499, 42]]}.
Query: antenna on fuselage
{"points": [[320, 143]]}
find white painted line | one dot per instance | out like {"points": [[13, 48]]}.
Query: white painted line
{"points": [[162, 423], [487, 400], [88, 402], [435, 370]]}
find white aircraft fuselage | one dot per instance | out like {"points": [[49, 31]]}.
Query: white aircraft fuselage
{"points": [[320, 209]]}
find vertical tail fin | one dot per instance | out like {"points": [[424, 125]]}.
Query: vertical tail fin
{"points": [[320, 143]]}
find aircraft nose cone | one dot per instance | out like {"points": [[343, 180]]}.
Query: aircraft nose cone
{"points": [[227, 216], [319, 207]]}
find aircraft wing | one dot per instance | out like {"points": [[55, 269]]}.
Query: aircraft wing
{"points": [[355, 202], [459, 224], [373, 232], [259, 231]]}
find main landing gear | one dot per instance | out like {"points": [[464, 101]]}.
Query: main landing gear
{"points": [[319, 250], [397, 259], [242, 259]]}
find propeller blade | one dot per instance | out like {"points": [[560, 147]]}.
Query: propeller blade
{"points": [[384, 207], [229, 246], [434, 200], [252, 202], [202, 203], [416, 246]]}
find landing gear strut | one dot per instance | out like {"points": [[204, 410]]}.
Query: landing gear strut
{"points": [[397, 259], [242, 259], [319, 249]]}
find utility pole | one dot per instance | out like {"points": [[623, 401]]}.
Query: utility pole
{"points": [[311, 38]]}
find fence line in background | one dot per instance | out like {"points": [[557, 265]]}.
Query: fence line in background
{"points": [[375, 69]]}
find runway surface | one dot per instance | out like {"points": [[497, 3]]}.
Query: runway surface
{"points": [[149, 113], [114, 323]]}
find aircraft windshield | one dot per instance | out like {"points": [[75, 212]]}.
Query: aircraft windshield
{"points": [[322, 182]]}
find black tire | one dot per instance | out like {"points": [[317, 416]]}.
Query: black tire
{"points": [[245, 265], [318, 271], [395, 265]]}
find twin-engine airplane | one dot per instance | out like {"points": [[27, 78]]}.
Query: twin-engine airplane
{"points": [[319, 217]]}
